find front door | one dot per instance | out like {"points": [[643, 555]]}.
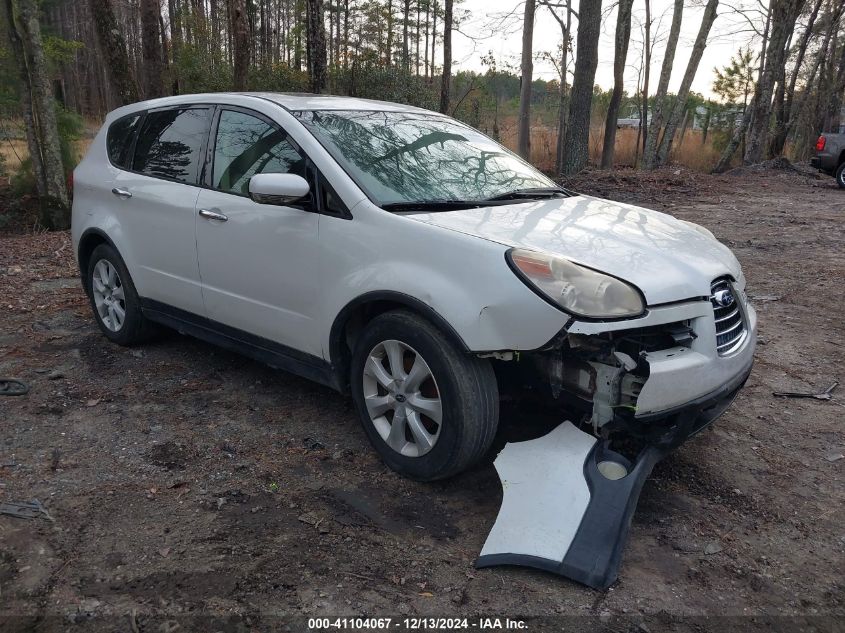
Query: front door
{"points": [[258, 263]]}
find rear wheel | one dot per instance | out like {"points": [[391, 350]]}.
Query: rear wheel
{"points": [[114, 299], [430, 410], [840, 176]]}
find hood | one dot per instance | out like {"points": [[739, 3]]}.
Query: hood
{"points": [[666, 258]]}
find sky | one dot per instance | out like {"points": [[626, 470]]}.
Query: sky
{"points": [[475, 37]]}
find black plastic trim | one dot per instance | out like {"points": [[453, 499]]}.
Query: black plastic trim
{"points": [[261, 349], [336, 336], [83, 272]]}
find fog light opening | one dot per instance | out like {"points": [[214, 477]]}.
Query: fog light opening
{"points": [[612, 470]]}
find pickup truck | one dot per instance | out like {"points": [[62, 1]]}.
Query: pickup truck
{"points": [[830, 156]]}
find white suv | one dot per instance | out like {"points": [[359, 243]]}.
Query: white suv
{"points": [[403, 256]]}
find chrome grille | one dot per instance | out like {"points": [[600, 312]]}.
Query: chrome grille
{"points": [[730, 322]]}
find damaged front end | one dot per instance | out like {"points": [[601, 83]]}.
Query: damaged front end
{"points": [[634, 393]]}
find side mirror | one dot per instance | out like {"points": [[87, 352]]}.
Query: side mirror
{"points": [[279, 189]]}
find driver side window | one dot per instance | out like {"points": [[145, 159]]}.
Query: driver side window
{"points": [[245, 146]]}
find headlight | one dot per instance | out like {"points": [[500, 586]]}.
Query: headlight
{"points": [[576, 289]]}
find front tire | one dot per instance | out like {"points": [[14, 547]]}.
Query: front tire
{"points": [[114, 300], [840, 176], [429, 410]]}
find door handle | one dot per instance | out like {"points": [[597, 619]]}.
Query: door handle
{"points": [[212, 215], [122, 193]]}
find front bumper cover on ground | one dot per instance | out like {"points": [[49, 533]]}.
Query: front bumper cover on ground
{"points": [[561, 514]]}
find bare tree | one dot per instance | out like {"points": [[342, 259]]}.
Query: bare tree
{"points": [[623, 34], [784, 13], [650, 149], [447, 57], [39, 111], [741, 131], [151, 52], [578, 128], [563, 110], [646, 72], [524, 134], [680, 108], [787, 95], [113, 49], [240, 43], [316, 28]]}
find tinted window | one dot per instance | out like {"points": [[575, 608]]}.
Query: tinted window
{"points": [[119, 139], [247, 145], [170, 143]]}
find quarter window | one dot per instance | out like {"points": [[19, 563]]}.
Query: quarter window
{"points": [[246, 146], [170, 144], [119, 139]]}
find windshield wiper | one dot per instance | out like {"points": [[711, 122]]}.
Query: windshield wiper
{"points": [[533, 193], [433, 205]]}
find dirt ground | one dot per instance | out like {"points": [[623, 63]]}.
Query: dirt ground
{"points": [[184, 481]]}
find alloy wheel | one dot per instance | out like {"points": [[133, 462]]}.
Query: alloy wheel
{"points": [[108, 293], [402, 398]]}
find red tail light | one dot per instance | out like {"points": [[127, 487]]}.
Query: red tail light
{"points": [[820, 143]]}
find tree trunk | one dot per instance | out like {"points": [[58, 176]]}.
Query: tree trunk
{"points": [[389, 49], [240, 44], [821, 56], [56, 205], [27, 113], [651, 143], [406, 55], [646, 73], [524, 133], [623, 34], [580, 103], [562, 112], [447, 57], [151, 49], [116, 60], [683, 92], [834, 108], [434, 38], [784, 108], [427, 27], [316, 45], [784, 15]]}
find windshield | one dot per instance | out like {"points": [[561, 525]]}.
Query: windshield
{"points": [[410, 157]]}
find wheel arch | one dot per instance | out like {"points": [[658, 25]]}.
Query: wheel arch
{"points": [[90, 240], [355, 315]]}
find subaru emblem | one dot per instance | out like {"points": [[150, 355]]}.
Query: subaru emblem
{"points": [[724, 298]]}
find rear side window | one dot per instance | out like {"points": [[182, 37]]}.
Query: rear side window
{"points": [[120, 137], [246, 146], [170, 144]]}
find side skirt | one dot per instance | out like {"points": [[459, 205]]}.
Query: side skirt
{"points": [[269, 352]]}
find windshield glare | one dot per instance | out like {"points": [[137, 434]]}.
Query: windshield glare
{"points": [[410, 157]]}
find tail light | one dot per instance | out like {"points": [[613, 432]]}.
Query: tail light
{"points": [[820, 143]]}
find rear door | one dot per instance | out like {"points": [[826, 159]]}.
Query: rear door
{"points": [[157, 200], [259, 263]]}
